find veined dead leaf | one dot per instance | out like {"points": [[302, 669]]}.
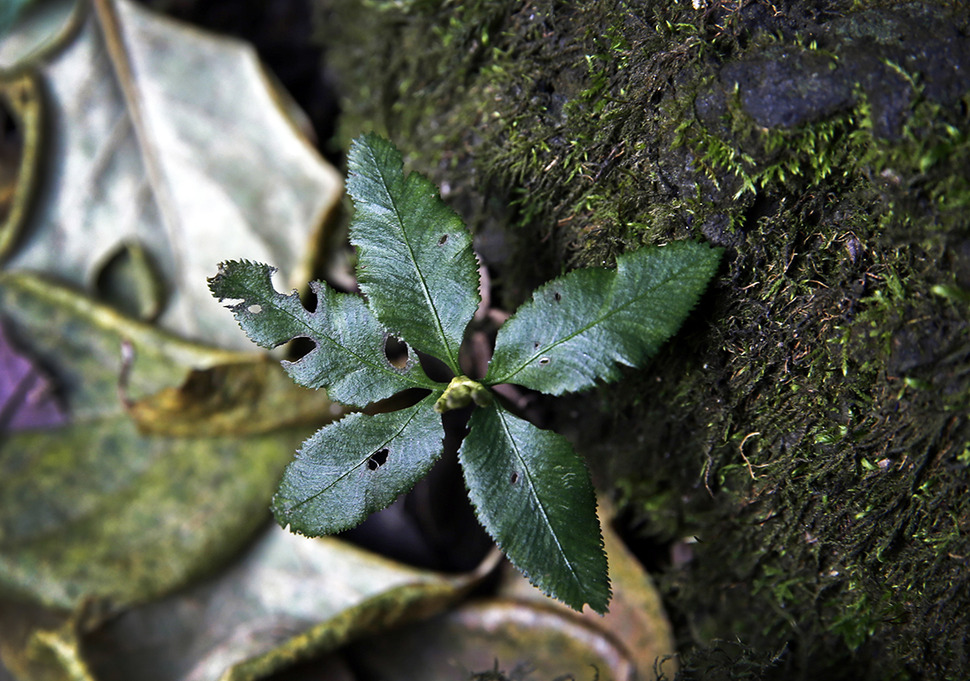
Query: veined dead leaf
{"points": [[171, 141], [100, 510]]}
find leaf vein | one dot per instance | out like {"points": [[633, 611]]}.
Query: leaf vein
{"points": [[527, 474], [355, 467], [425, 289], [314, 334], [612, 311]]}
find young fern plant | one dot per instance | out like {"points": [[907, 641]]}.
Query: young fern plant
{"points": [[415, 266]]}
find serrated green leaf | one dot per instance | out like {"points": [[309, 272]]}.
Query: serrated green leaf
{"points": [[348, 359], [415, 262], [532, 493], [357, 466], [576, 329]]}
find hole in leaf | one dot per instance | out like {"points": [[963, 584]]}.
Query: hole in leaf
{"points": [[255, 308], [514, 478], [300, 347], [377, 459], [128, 280], [396, 351], [558, 296], [435, 368], [544, 361], [443, 240], [309, 298], [535, 345]]}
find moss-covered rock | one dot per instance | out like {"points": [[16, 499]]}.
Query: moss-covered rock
{"points": [[809, 425]]}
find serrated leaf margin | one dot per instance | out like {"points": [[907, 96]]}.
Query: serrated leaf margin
{"points": [[415, 262], [330, 486], [348, 358], [552, 345], [532, 493]]}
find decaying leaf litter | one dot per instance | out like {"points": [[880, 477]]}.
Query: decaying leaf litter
{"points": [[109, 318]]}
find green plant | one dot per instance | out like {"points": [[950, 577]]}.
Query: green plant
{"points": [[415, 265]]}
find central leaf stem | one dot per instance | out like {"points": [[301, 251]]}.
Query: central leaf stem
{"points": [[461, 392]]}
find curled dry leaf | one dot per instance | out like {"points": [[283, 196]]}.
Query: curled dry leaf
{"points": [[636, 618], [522, 634], [288, 599], [497, 638]]}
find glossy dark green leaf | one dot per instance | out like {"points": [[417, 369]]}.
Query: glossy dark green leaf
{"points": [[357, 466], [532, 493], [415, 265], [415, 262], [348, 359], [576, 329]]}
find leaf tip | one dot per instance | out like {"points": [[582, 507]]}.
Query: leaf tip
{"points": [[596, 593], [600, 604], [230, 276]]}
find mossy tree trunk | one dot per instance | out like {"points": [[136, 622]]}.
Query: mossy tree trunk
{"points": [[809, 425]]}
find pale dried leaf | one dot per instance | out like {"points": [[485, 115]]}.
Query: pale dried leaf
{"points": [[288, 599], [170, 138]]}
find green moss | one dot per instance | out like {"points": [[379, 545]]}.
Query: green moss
{"points": [[550, 107], [828, 405], [803, 156], [809, 425]]}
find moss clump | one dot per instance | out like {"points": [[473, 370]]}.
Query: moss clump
{"points": [[543, 116], [809, 428]]}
